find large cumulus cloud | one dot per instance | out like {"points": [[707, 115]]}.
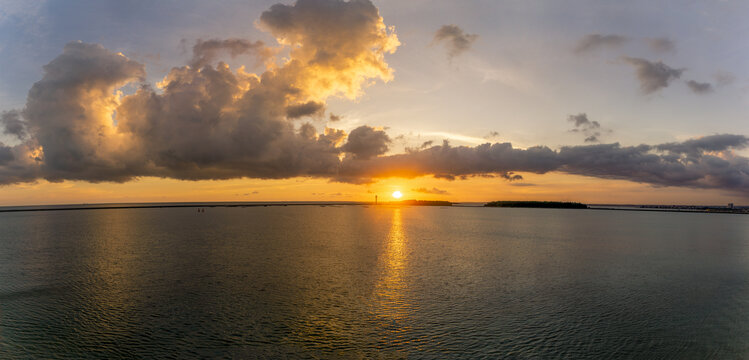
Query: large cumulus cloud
{"points": [[70, 113], [205, 120]]}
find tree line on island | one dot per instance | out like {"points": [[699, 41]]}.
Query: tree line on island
{"points": [[511, 204], [537, 204]]}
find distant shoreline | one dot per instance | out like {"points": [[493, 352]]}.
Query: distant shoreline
{"points": [[166, 205], [700, 210], [609, 207]]}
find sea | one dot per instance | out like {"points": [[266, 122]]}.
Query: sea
{"points": [[360, 281]]}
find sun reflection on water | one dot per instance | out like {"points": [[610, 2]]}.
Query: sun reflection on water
{"points": [[391, 288]]}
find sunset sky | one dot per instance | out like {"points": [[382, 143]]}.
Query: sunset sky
{"points": [[590, 101]]}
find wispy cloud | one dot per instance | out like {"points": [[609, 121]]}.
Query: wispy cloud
{"points": [[593, 42], [591, 129], [433, 190], [653, 76], [699, 87], [457, 137], [455, 40], [661, 44]]}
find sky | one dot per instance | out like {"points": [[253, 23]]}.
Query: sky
{"points": [[598, 102]]}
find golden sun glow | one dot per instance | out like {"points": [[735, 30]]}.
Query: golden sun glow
{"points": [[397, 195]]}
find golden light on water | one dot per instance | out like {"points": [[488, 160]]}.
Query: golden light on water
{"points": [[391, 287], [397, 195]]}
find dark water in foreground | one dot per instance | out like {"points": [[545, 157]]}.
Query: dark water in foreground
{"points": [[382, 282]]}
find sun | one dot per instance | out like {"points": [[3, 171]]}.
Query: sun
{"points": [[397, 194]]}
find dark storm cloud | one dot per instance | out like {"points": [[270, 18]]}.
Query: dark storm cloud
{"points": [[433, 190], [455, 40], [653, 76], [661, 44], [591, 129], [699, 88], [12, 124], [596, 41]]}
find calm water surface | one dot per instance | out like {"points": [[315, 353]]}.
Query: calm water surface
{"points": [[364, 282]]}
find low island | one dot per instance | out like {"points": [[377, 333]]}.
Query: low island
{"points": [[537, 204]]}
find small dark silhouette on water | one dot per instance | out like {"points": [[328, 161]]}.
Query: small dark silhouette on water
{"points": [[537, 204]]}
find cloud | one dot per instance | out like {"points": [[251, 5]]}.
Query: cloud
{"points": [[699, 88], [455, 40], [6, 154], [653, 76], [661, 166], [306, 109], [714, 143], [334, 117], [206, 121], [724, 78], [581, 120], [511, 176], [597, 41], [433, 190], [213, 122], [591, 129], [12, 124], [329, 38], [365, 142], [523, 184], [71, 111], [661, 44], [445, 161], [205, 52], [707, 162]]}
